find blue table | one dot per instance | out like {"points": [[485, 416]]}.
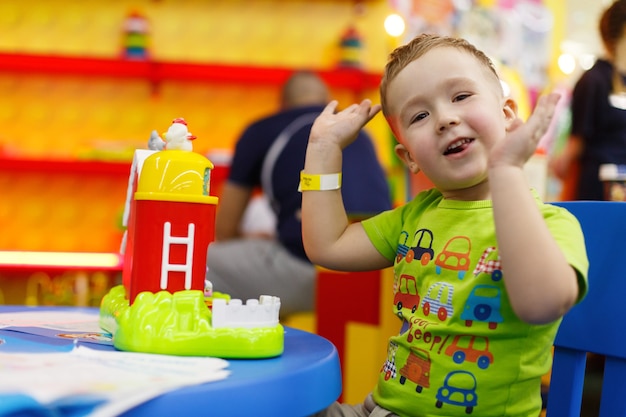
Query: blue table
{"points": [[306, 378]]}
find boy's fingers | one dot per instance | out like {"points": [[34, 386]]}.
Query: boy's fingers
{"points": [[543, 113], [554, 98], [548, 103], [351, 108], [373, 110], [330, 107], [362, 109]]}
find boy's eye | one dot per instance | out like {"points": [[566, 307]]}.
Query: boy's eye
{"points": [[419, 117], [460, 97]]}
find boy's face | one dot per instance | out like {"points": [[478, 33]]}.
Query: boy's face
{"points": [[447, 110]]}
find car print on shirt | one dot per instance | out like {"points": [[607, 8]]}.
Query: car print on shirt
{"points": [[459, 388], [483, 304], [455, 256], [389, 367], [406, 296], [417, 369], [421, 249], [438, 300], [470, 348], [488, 265], [403, 248]]}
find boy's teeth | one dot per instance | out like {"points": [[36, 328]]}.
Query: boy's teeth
{"points": [[456, 144]]}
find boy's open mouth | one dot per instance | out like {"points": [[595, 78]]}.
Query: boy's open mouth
{"points": [[458, 146]]}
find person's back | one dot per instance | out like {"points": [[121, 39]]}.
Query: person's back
{"points": [[270, 155]]}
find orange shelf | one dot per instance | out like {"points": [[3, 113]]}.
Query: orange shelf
{"points": [[157, 71]]}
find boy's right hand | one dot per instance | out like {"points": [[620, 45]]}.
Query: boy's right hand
{"points": [[341, 128]]}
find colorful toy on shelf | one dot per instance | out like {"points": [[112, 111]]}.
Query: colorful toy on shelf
{"points": [[164, 304], [136, 36], [351, 45]]}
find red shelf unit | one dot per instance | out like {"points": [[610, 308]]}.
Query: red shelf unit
{"points": [[72, 166], [157, 71], [120, 169]]}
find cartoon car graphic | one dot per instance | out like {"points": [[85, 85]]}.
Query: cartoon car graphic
{"points": [[420, 250], [455, 256], [389, 367], [470, 348], [438, 300], [403, 248], [417, 369], [489, 266], [459, 388], [483, 304], [407, 295]]}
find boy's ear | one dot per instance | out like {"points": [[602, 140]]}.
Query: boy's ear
{"points": [[406, 157], [510, 109]]}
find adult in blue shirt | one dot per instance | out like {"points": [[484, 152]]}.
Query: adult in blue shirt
{"points": [[270, 155]]}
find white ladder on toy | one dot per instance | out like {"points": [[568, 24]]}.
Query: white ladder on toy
{"points": [[166, 266]]}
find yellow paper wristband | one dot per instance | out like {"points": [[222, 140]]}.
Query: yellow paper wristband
{"points": [[319, 182]]}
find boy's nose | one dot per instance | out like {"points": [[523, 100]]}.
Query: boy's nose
{"points": [[447, 121]]}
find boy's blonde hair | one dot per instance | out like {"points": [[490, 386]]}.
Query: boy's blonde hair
{"points": [[418, 46]]}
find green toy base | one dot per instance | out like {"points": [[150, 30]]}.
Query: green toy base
{"points": [[180, 324]]}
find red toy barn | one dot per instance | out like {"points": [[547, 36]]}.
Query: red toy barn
{"points": [[171, 223]]}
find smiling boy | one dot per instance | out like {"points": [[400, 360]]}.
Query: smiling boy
{"points": [[472, 341]]}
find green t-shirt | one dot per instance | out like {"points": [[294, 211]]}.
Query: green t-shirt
{"points": [[461, 349]]}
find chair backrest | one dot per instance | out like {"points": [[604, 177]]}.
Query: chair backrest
{"points": [[597, 324]]}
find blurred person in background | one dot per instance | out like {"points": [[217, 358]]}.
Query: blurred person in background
{"points": [[270, 155], [598, 106]]}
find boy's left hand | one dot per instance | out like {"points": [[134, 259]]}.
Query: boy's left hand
{"points": [[521, 139]]}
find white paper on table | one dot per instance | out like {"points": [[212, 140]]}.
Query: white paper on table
{"points": [[74, 321], [122, 379], [57, 324]]}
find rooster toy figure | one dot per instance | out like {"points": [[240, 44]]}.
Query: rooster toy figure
{"points": [[155, 143], [176, 137]]}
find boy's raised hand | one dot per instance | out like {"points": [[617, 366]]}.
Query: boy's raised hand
{"points": [[522, 138], [342, 127]]}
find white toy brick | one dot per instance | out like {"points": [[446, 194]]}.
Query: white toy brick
{"points": [[263, 312]]}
